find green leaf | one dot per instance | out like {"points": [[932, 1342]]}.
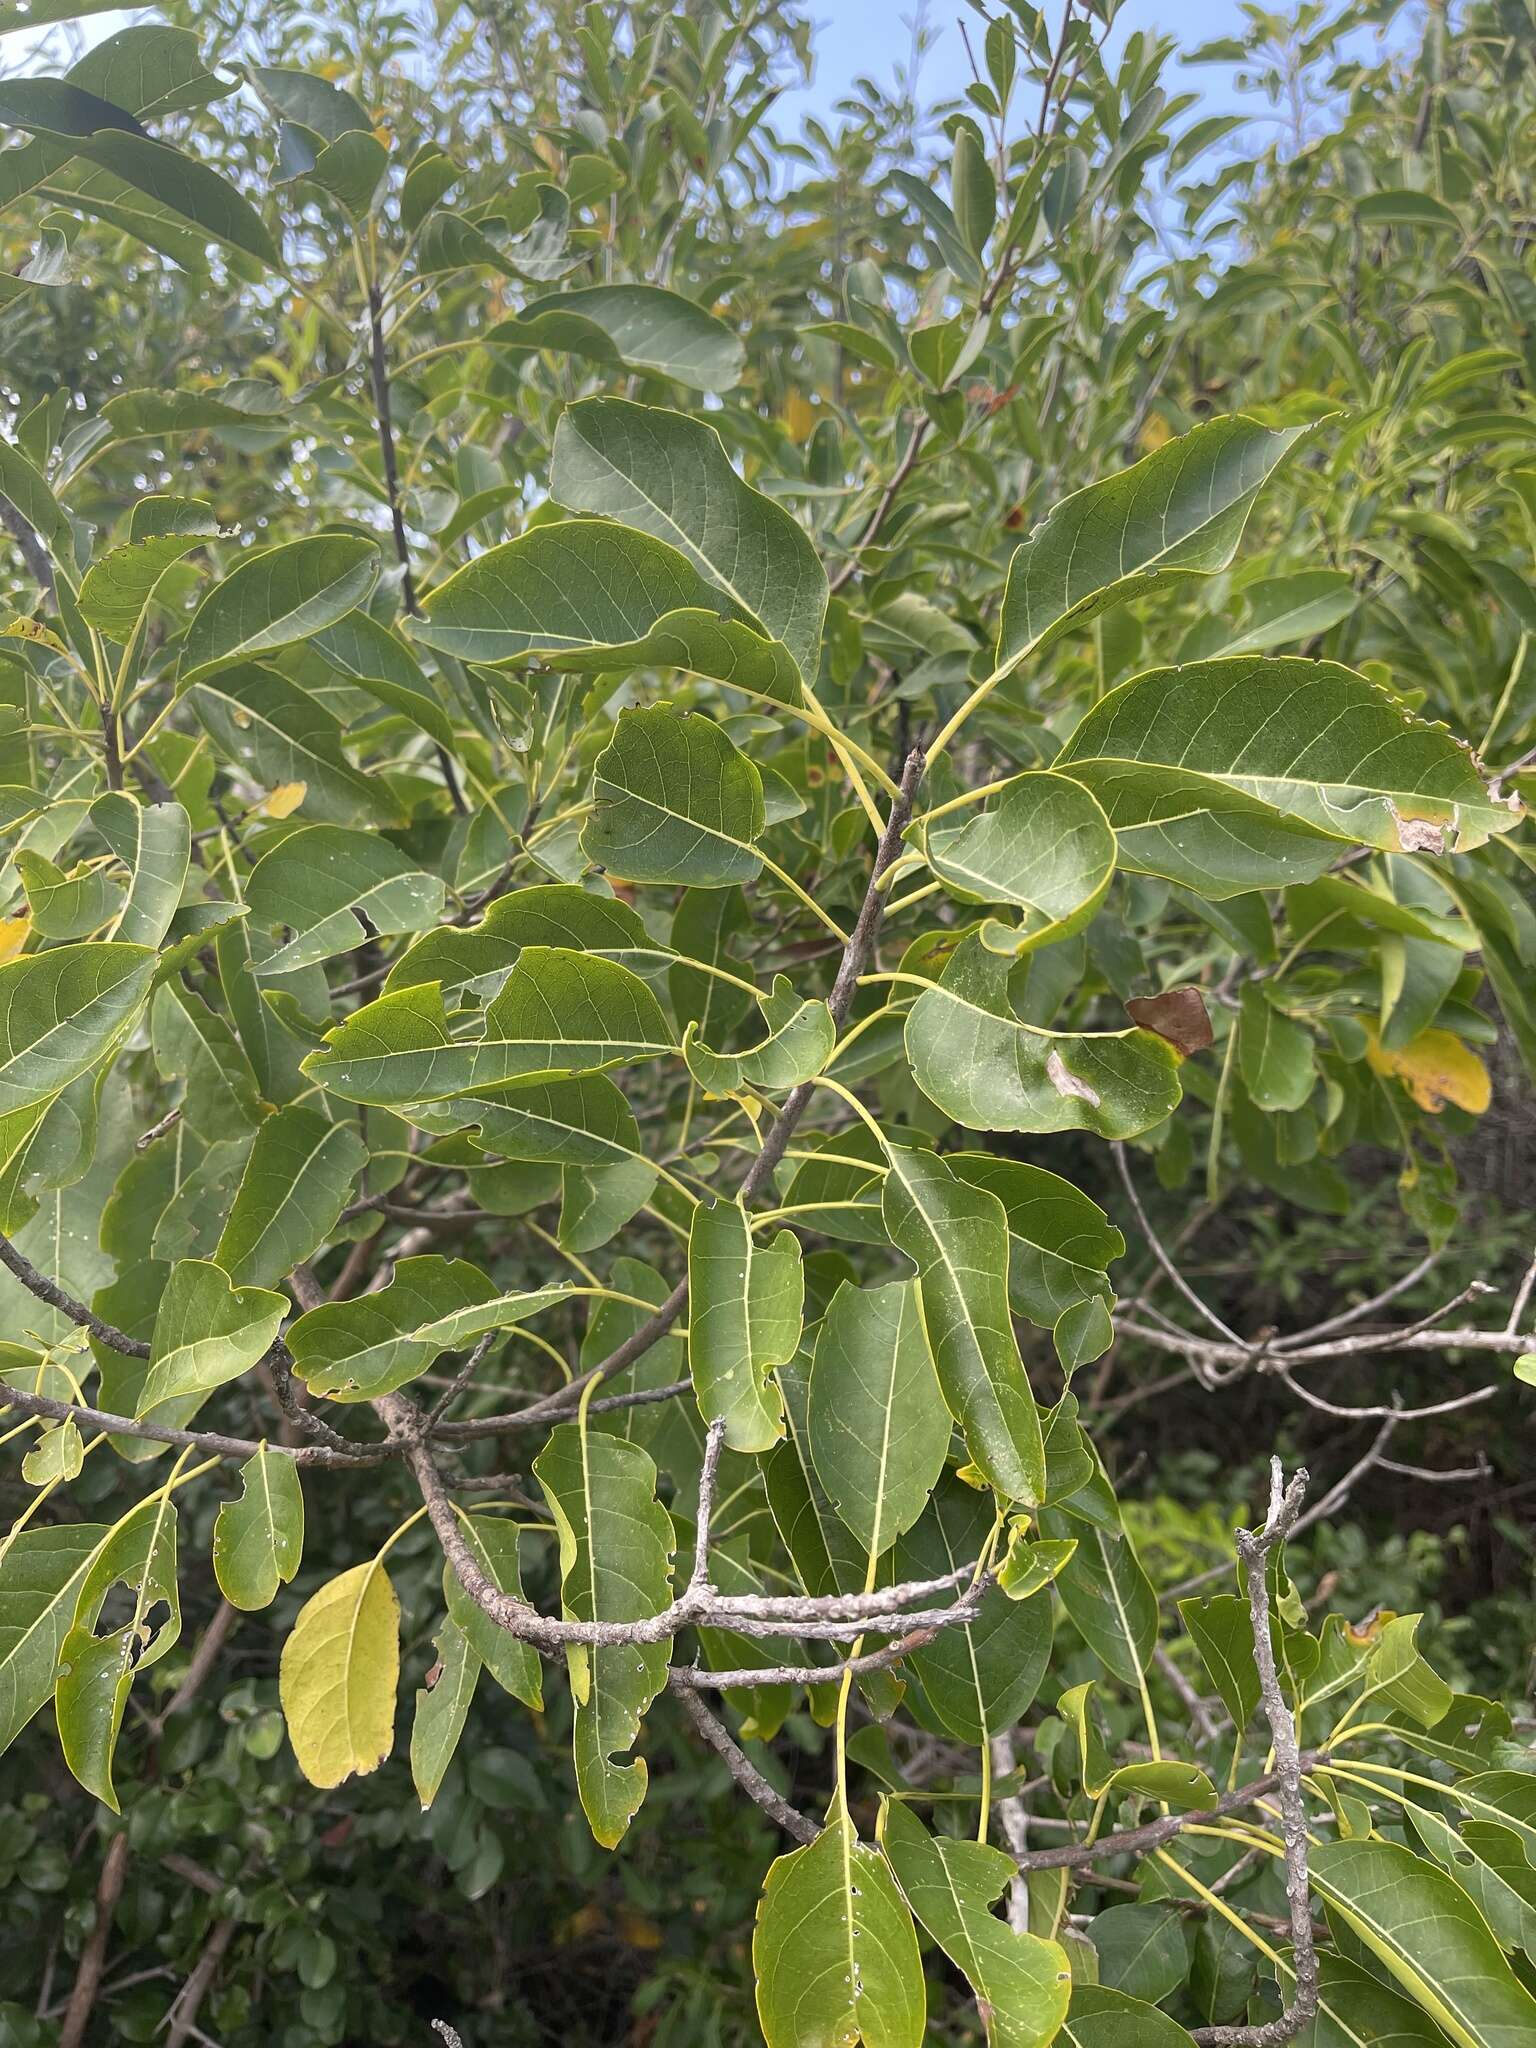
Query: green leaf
{"points": [[548, 914], [39, 1588], [64, 1011], [331, 887], [745, 1303], [1109, 1598], [615, 1565], [1355, 2007], [187, 188], [1177, 1784], [877, 1425], [1060, 1242], [633, 327], [193, 1041], [206, 1332], [154, 842], [1099, 2018], [1430, 1936], [669, 476], [356, 1350], [1028, 1568], [272, 599], [797, 1046], [1221, 1628], [295, 1185], [338, 1675], [278, 733], [1021, 1983], [1045, 846], [442, 1709], [95, 1672], [1178, 512], [1319, 749], [1141, 1950], [1274, 1055], [834, 1949], [119, 584], [21, 483], [1397, 1671], [571, 588], [258, 1540], [558, 1014], [513, 1664], [677, 801], [974, 1681], [982, 1064], [956, 1236], [66, 906], [376, 660]]}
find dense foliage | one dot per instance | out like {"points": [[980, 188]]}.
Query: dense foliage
{"points": [[763, 896]]}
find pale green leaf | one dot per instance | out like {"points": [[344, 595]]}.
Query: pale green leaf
{"points": [[258, 1540], [206, 1332], [442, 1709], [745, 1304], [1045, 845], [631, 326]]}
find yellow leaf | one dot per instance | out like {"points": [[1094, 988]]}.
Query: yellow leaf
{"points": [[339, 1673], [1435, 1068], [17, 628], [800, 416], [1155, 434], [14, 932], [285, 799]]}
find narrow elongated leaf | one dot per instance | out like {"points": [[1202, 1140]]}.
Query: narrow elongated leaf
{"points": [[192, 1041], [631, 326], [63, 1011], [187, 188], [514, 1665], [1319, 747], [957, 1238], [1108, 1596], [975, 1057], [39, 1587], [877, 1425], [329, 887], [615, 1565], [571, 587], [834, 1949], [1022, 1984], [670, 476], [272, 599], [356, 1350], [296, 1182], [745, 1303], [206, 1332], [258, 1540], [442, 1709], [558, 1014], [338, 1676], [1179, 511], [1430, 1936], [677, 801], [154, 841], [1046, 846]]}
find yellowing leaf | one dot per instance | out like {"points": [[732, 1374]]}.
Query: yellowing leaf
{"points": [[800, 416], [1155, 434], [14, 932], [338, 1676], [285, 799], [1435, 1068]]}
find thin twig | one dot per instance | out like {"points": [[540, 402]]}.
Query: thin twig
{"points": [[93, 1957], [740, 1765], [1254, 1550]]}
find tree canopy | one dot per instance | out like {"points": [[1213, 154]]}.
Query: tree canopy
{"points": [[688, 804]]}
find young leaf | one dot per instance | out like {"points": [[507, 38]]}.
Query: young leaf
{"points": [[745, 1303], [877, 1425], [834, 1949], [258, 1540], [1021, 1983], [206, 1332], [615, 1565], [338, 1675], [957, 1238], [356, 1350]]}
